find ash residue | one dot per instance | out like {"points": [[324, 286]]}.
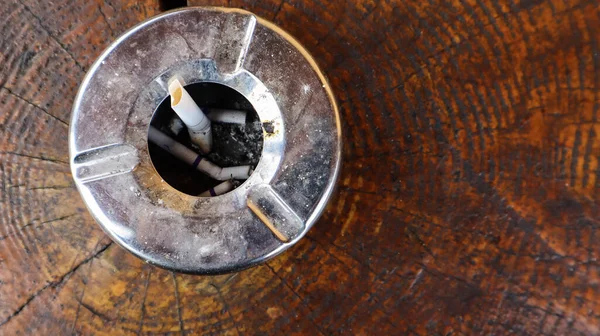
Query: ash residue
{"points": [[236, 145], [269, 127]]}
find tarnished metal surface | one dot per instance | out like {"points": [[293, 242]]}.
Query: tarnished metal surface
{"points": [[291, 184]]}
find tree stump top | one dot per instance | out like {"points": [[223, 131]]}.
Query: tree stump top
{"points": [[468, 201]]}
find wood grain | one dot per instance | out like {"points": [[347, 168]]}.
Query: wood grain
{"points": [[468, 201]]}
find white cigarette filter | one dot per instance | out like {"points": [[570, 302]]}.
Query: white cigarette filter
{"points": [[227, 116], [197, 123], [218, 190], [197, 160]]}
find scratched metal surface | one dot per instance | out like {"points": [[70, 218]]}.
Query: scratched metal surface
{"points": [[109, 151]]}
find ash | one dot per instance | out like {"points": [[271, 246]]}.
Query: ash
{"points": [[235, 144]]}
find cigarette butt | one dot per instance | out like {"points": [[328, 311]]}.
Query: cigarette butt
{"points": [[227, 116], [237, 172], [197, 123], [197, 160], [218, 190]]}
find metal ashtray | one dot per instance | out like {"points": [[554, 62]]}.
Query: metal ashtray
{"points": [[138, 207]]}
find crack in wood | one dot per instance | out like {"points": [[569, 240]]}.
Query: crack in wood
{"points": [[412, 233], [36, 106], [143, 312], [181, 329], [336, 258], [383, 276], [278, 10], [41, 158], [302, 300], [54, 284], [39, 20], [227, 308], [39, 224], [112, 32], [52, 187], [80, 300], [95, 312]]}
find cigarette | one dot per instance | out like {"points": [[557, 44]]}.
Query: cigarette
{"points": [[227, 116], [197, 123], [218, 190], [197, 160], [214, 115]]}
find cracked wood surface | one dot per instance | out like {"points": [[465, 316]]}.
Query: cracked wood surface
{"points": [[468, 201]]}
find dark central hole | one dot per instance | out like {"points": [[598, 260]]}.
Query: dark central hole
{"points": [[233, 144], [166, 5]]}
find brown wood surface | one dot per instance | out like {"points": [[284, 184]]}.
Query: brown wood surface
{"points": [[468, 201]]}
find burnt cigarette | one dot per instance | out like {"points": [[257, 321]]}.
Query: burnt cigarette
{"points": [[218, 190], [197, 160], [227, 116]]}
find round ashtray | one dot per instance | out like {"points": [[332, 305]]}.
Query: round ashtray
{"points": [[145, 199]]}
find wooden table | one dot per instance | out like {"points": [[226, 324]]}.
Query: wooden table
{"points": [[468, 201]]}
